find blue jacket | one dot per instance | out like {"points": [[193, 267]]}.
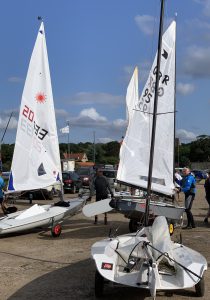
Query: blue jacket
{"points": [[188, 184], [2, 184]]}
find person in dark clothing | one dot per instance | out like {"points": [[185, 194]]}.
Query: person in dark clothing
{"points": [[207, 191], [102, 188], [188, 183]]}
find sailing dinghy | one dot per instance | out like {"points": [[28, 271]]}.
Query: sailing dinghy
{"points": [[36, 158], [135, 148], [149, 259]]}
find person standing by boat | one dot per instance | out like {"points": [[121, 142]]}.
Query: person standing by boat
{"points": [[2, 185], [102, 188], [188, 187], [207, 191]]}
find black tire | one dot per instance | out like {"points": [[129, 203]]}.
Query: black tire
{"points": [[56, 230], [200, 288], [133, 225], [73, 190], [99, 284], [50, 195]]}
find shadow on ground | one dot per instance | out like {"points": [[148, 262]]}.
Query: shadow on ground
{"points": [[77, 282]]}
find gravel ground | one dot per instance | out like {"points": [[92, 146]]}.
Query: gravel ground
{"points": [[34, 265]]}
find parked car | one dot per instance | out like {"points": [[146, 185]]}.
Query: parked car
{"points": [[71, 182], [110, 174], [45, 193], [199, 174], [87, 175]]}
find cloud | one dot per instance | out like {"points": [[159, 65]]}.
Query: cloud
{"points": [[92, 114], [104, 140], [185, 88], [12, 124], [15, 79], [206, 6], [197, 63], [145, 23], [185, 136], [61, 113], [119, 123], [95, 98], [90, 118]]}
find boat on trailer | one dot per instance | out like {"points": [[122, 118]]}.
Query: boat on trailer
{"points": [[44, 216], [149, 259], [135, 148], [36, 159]]}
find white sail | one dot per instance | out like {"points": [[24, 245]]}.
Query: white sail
{"points": [[135, 149], [36, 158], [132, 95]]}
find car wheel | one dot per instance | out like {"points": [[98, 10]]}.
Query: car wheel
{"points": [[133, 225]]}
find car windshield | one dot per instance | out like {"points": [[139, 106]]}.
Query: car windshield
{"points": [[65, 176], [109, 174], [74, 176], [83, 171], [70, 175]]}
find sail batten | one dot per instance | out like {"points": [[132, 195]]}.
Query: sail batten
{"points": [[135, 149], [36, 158]]}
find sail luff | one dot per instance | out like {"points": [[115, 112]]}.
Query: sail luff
{"points": [[36, 159]]}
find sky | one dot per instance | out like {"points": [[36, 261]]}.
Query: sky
{"points": [[93, 48]]}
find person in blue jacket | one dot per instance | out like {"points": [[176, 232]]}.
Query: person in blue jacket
{"points": [[2, 184], [188, 187]]}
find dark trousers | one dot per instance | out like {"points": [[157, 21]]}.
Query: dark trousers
{"points": [[98, 198], [188, 205]]}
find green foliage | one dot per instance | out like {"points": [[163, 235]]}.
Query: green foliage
{"points": [[6, 156], [185, 154]]}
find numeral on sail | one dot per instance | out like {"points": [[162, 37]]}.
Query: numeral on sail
{"points": [[28, 113]]}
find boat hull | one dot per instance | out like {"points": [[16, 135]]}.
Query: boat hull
{"points": [[133, 207], [131, 260], [50, 216]]}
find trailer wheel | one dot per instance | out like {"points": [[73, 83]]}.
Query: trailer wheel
{"points": [[99, 284], [200, 288], [171, 228], [56, 230], [133, 225]]}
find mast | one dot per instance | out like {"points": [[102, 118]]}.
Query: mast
{"points": [[174, 111], [149, 184]]}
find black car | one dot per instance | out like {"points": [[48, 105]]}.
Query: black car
{"points": [[87, 175], [71, 182]]}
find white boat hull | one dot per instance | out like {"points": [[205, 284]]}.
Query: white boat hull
{"points": [[49, 216], [133, 206], [113, 259]]}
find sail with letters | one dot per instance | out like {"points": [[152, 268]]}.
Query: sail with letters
{"points": [[135, 149], [36, 158]]}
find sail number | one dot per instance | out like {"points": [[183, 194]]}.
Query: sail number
{"points": [[28, 127], [150, 90]]}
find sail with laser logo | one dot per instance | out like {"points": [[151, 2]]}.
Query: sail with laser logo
{"points": [[36, 158]]}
